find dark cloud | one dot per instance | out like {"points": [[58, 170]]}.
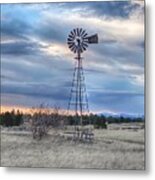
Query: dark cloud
{"points": [[121, 53], [51, 31], [5, 77], [38, 68], [36, 90], [107, 9], [13, 27], [118, 102], [20, 48]]}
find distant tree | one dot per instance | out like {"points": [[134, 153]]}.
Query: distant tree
{"points": [[100, 122], [18, 118], [2, 119], [8, 119]]}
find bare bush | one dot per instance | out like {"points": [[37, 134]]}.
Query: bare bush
{"points": [[43, 119]]}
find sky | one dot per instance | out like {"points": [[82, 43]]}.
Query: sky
{"points": [[37, 65]]}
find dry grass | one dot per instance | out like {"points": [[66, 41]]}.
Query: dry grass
{"points": [[111, 149]]}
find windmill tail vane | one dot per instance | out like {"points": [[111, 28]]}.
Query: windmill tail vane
{"points": [[93, 39]]}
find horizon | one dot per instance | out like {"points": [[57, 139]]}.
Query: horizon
{"points": [[37, 65], [28, 110]]}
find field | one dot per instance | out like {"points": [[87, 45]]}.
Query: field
{"points": [[114, 148]]}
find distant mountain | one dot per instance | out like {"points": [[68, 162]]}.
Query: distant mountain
{"points": [[132, 116]]}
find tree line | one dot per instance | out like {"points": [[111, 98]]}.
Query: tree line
{"points": [[11, 118], [99, 121]]}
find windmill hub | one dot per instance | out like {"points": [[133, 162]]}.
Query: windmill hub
{"points": [[78, 41]]}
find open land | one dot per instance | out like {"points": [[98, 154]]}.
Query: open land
{"points": [[119, 147]]}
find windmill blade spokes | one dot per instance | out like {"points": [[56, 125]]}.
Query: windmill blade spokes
{"points": [[84, 44], [83, 32], [69, 40], [85, 39], [78, 40], [74, 30], [85, 35], [84, 48], [72, 33], [71, 37], [70, 46], [81, 49], [80, 31], [73, 48]]}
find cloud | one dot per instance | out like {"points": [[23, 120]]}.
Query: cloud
{"points": [[19, 48], [13, 26], [117, 9], [37, 64], [35, 90], [118, 102]]}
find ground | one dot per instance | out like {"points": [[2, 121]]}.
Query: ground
{"points": [[115, 148]]}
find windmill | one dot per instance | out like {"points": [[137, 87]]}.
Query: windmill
{"points": [[78, 41]]}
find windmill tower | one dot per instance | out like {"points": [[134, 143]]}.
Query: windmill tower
{"points": [[78, 41]]}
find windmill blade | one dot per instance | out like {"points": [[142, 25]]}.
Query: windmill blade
{"points": [[73, 48], [81, 50], [74, 30], [84, 35], [84, 48], [70, 40], [78, 31], [84, 44], [72, 33], [70, 46], [85, 41], [70, 36], [83, 32], [69, 43]]}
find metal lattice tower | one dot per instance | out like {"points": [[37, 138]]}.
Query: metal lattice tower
{"points": [[78, 41], [78, 98]]}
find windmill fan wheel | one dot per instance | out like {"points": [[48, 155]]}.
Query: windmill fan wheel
{"points": [[77, 40]]}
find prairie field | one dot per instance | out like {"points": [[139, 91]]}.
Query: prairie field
{"points": [[119, 147]]}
